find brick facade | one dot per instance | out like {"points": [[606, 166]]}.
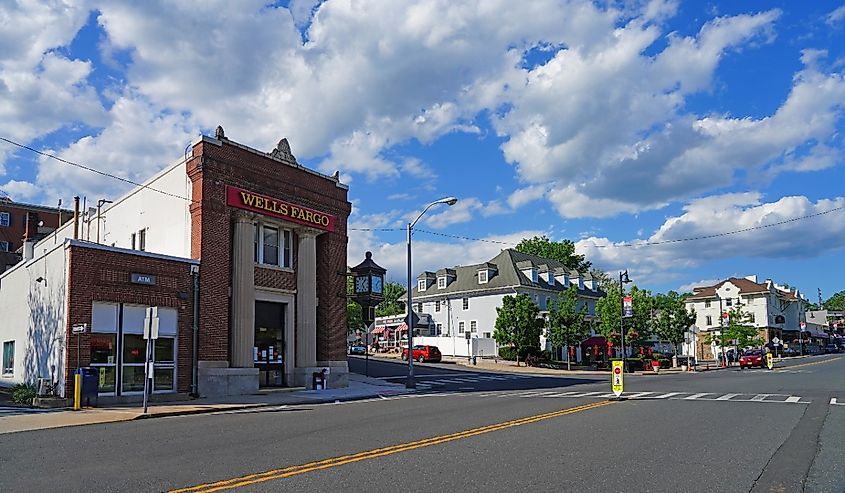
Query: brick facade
{"points": [[212, 167], [97, 274]]}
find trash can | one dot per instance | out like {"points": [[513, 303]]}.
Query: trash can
{"points": [[318, 381], [90, 386], [473, 361]]}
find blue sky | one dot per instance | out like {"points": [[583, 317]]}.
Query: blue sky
{"points": [[624, 126]]}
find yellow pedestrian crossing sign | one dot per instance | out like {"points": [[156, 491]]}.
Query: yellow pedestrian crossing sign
{"points": [[618, 378], [770, 360]]}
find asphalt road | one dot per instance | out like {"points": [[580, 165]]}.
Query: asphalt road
{"points": [[726, 430]]}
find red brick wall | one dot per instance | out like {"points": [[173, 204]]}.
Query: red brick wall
{"points": [[211, 169], [17, 222], [98, 275]]}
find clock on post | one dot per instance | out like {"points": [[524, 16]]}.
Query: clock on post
{"points": [[368, 286]]}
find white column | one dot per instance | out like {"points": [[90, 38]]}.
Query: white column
{"points": [[243, 292], [306, 299]]}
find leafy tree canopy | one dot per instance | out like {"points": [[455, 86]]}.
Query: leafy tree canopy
{"points": [[563, 251], [739, 332], [673, 319], [836, 302], [354, 320], [517, 323], [391, 305], [609, 311]]}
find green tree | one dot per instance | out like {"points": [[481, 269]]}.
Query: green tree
{"points": [[609, 311], [563, 251], [391, 305], [836, 302], [740, 331], [566, 321], [673, 319], [517, 325]]}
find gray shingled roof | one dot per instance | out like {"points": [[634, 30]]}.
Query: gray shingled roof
{"points": [[507, 276]]}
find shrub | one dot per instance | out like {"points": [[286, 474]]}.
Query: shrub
{"points": [[507, 353], [23, 393]]}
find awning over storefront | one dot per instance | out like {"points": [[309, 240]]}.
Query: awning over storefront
{"points": [[402, 328], [594, 341], [813, 333], [379, 330]]}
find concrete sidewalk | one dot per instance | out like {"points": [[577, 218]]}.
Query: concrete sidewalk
{"points": [[360, 387]]}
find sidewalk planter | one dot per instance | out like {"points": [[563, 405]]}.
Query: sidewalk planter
{"points": [[655, 366]]}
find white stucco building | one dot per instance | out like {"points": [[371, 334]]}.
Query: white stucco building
{"points": [[775, 310], [462, 300]]}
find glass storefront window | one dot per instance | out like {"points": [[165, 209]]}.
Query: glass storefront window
{"points": [[103, 349], [162, 379], [133, 378], [107, 374], [134, 348], [164, 350]]}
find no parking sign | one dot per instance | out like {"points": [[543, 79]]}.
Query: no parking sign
{"points": [[617, 379]]}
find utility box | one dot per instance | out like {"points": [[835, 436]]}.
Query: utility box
{"points": [[90, 386]]}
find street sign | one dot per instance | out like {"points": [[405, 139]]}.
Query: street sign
{"points": [[79, 328], [628, 306], [151, 323], [468, 335], [415, 319], [775, 341], [770, 360], [617, 379]]}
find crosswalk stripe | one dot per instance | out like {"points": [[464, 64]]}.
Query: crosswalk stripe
{"points": [[666, 396], [637, 395], [793, 398], [696, 396], [727, 397], [561, 394], [759, 397]]}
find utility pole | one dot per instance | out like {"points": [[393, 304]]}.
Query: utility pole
{"points": [[821, 303]]}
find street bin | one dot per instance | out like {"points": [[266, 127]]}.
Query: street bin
{"points": [[318, 380], [473, 361], [90, 386]]}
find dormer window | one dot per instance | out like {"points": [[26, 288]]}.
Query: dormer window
{"points": [[441, 282], [421, 285], [482, 277]]}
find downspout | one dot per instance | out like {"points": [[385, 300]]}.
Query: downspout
{"points": [[195, 277]]}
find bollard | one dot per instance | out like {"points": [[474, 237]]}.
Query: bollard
{"points": [[77, 391]]}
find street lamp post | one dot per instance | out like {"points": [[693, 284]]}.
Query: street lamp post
{"points": [[410, 383], [623, 279]]}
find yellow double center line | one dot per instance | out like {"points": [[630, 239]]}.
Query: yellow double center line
{"points": [[379, 452]]}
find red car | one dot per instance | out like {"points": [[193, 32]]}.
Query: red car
{"points": [[423, 353], [752, 357]]}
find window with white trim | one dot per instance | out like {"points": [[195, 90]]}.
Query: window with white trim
{"points": [[707, 304], [5, 219], [487, 335], [142, 239], [441, 282], [751, 317], [9, 358], [4, 246], [272, 245], [439, 328], [437, 306], [461, 327], [482, 277], [708, 320], [421, 285], [473, 326], [729, 302], [548, 302], [419, 307], [465, 303]]}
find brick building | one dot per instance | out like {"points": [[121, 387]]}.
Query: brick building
{"points": [[19, 221], [240, 250]]}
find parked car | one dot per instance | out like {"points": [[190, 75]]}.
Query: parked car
{"points": [[831, 348], [792, 351], [423, 353], [752, 357], [357, 349]]}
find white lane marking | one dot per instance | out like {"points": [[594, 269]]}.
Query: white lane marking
{"points": [[793, 398], [666, 396], [759, 397], [696, 396], [636, 395], [586, 394], [561, 394], [727, 397], [833, 402]]}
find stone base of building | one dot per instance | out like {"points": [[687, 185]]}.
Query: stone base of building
{"points": [[216, 378], [337, 376]]}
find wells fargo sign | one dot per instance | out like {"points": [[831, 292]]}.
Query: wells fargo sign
{"points": [[269, 206]]}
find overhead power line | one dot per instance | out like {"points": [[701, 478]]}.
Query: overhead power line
{"points": [[94, 170], [467, 238]]}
